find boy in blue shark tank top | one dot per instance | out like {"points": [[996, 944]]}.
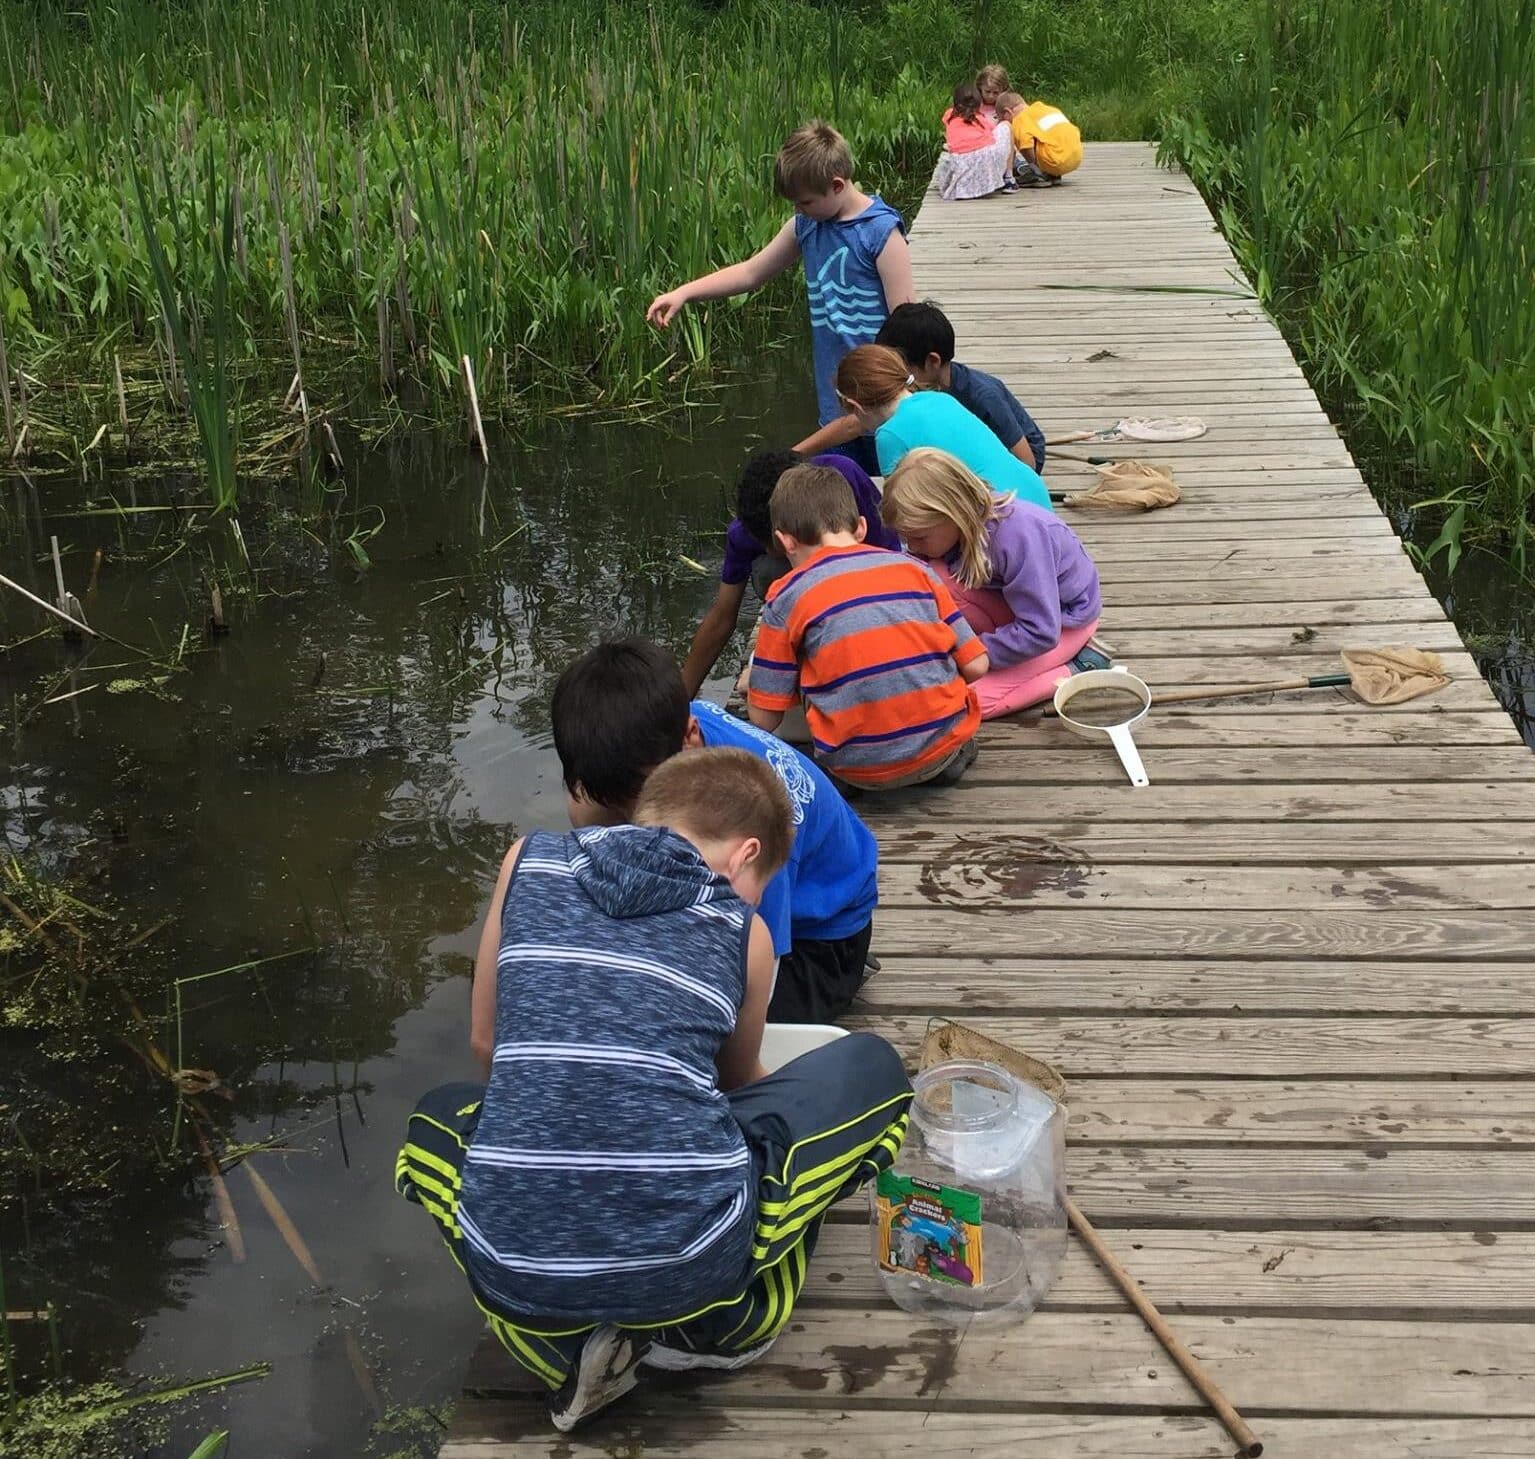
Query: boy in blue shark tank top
{"points": [[857, 264]]}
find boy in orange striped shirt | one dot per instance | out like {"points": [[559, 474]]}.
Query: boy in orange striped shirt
{"points": [[872, 642]]}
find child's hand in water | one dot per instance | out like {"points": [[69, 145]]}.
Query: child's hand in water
{"points": [[664, 307]]}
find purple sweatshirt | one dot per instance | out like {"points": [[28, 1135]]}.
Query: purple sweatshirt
{"points": [[1041, 568], [742, 549]]}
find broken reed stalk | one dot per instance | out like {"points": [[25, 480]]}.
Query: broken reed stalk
{"points": [[5, 387], [332, 449], [1236, 1425], [69, 605], [122, 394], [476, 426]]}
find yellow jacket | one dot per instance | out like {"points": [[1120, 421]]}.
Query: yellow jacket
{"points": [[1057, 143]]}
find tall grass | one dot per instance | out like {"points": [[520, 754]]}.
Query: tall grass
{"points": [[1374, 164], [416, 183]]}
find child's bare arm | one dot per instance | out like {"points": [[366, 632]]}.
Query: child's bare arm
{"points": [[838, 433], [894, 265], [739, 1060], [738, 278], [1025, 453], [767, 719], [482, 1000], [972, 670], [712, 634]]}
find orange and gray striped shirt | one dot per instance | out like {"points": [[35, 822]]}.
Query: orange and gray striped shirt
{"points": [[872, 642]]}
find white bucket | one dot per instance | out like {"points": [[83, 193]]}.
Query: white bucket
{"points": [[782, 1042]]}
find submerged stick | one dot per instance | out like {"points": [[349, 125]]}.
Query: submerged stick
{"points": [[57, 613], [1236, 1425], [284, 1223]]}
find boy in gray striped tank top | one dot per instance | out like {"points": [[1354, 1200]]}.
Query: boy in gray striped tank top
{"points": [[630, 1186]]}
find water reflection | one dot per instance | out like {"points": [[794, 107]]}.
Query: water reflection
{"points": [[331, 786]]}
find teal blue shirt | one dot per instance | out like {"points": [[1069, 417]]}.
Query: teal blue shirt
{"points": [[932, 418]]}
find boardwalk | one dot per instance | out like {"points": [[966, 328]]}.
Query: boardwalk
{"points": [[1290, 983]]}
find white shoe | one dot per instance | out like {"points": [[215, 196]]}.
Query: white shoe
{"points": [[605, 1372], [680, 1360]]}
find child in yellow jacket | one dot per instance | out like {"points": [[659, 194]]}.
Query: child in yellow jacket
{"points": [[1049, 146]]}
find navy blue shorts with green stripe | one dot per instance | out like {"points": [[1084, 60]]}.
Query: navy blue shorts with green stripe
{"points": [[819, 1129]]}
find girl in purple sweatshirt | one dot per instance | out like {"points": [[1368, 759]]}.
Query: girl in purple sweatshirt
{"points": [[1019, 574]]}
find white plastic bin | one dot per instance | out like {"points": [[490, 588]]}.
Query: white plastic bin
{"points": [[782, 1042]]}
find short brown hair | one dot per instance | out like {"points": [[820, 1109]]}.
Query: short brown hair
{"points": [[812, 158], [1009, 101], [718, 794], [872, 375], [810, 501]]}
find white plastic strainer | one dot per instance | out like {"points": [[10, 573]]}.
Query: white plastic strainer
{"points": [[1110, 703]]}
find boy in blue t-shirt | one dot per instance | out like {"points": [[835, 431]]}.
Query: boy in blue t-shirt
{"points": [[923, 336], [621, 709], [857, 264]]}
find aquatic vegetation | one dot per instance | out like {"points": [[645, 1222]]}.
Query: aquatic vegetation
{"points": [[1374, 167], [190, 192]]}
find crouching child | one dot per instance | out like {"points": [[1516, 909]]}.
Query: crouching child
{"points": [[872, 642], [628, 1187]]}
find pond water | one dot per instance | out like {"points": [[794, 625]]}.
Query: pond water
{"points": [[331, 787]]}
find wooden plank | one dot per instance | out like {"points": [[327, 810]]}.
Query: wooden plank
{"points": [[1192, 726], [1315, 614], [856, 1359], [1301, 1272], [1012, 982], [1227, 843], [1059, 758], [709, 1427], [1220, 933], [1321, 1047], [971, 804], [1007, 876], [1291, 1111]]}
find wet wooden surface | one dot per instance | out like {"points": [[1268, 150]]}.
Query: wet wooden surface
{"points": [[1290, 983]]}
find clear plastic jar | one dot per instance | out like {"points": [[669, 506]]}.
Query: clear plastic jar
{"points": [[970, 1222]]}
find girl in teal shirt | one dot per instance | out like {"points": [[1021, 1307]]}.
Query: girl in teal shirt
{"points": [[875, 384]]}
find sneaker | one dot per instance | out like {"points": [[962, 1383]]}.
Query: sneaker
{"points": [[964, 758], [1010, 185], [604, 1373], [682, 1360], [1090, 658]]}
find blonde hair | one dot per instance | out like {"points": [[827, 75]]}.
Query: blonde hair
{"points": [[811, 501], [929, 489], [872, 375], [1009, 101], [720, 794], [994, 76], [812, 158]]}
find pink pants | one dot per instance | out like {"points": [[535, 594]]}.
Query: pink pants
{"points": [[1006, 691]]}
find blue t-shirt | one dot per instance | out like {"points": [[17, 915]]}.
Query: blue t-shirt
{"points": [[829, 887], [932, 418], [847, 296], [989, 400]]}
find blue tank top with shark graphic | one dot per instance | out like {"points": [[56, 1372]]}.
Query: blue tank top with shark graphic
{"points": [[847, 299]]}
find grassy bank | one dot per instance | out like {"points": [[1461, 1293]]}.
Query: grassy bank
{"points": [[201, 200], [1374, 165]]}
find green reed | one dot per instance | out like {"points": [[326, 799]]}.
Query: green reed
{"points": [[1374, 164], [402, 185]]}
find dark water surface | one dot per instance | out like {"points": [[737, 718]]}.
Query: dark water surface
{"points": [[334, 781]]}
